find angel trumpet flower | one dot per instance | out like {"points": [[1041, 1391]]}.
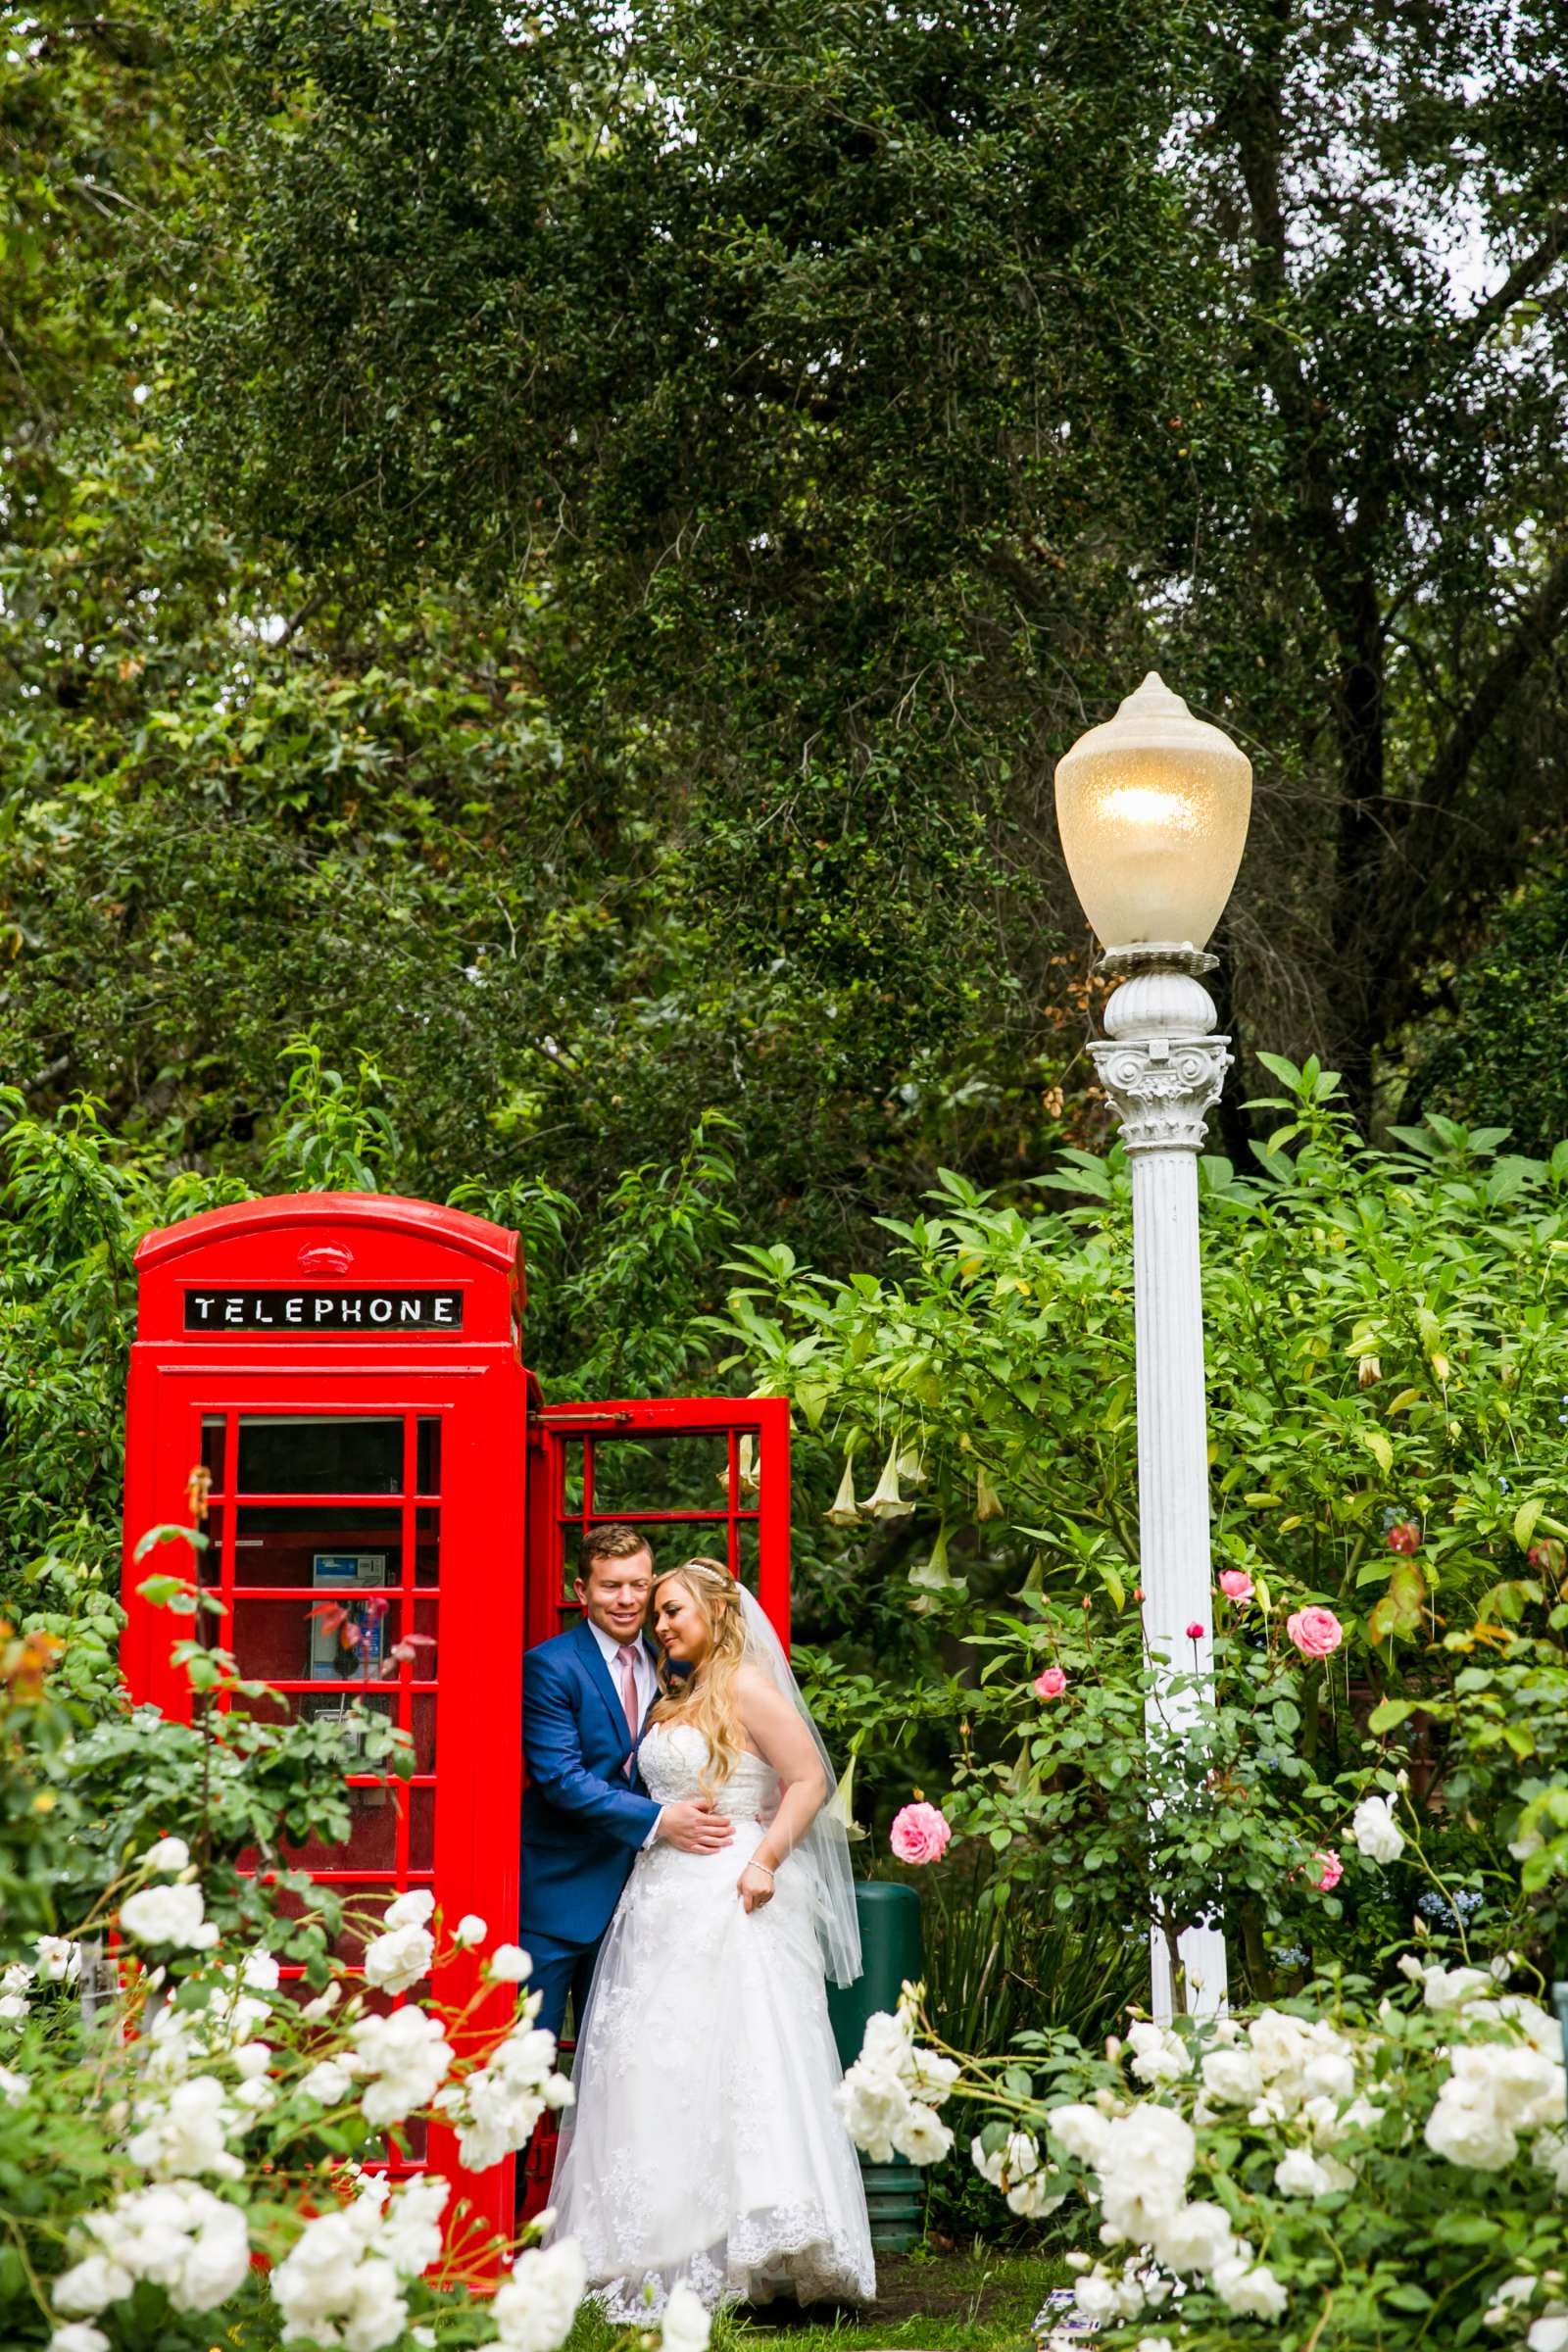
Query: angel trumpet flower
{"points": [[887, 1502], [844, 1510]]}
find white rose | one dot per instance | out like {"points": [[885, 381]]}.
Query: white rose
{"points": [[1378, 1836], [1301, 2175], [469, 1930], [510, 1964], [400, 1958], [78, 2337], [168, 1914], [686, 2325], [1449, 1988], [1234, 2076], [1095, 2296], [1159, 2054], [186, 2134], [412, 1910], [1549, 2154], [1468, 2130], [407, 2056], [328, 2080], [1548, 2334], [91, 2285], [931, 2077], [13, 2087], [168, 1855], [1143, 2175], [1194, 2239], [920, 2134], [1252, 2293], [534, 2309], [1155, 2344], [59, 1959], [1082, 2130]]}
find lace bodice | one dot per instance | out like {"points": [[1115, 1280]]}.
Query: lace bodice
{"points": [[672, 1760]]}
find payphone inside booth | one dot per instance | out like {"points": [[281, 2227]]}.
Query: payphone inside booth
{"points": [[393, 1518]]}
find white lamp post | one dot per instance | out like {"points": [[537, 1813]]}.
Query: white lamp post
{"points": [[1152, 811]]}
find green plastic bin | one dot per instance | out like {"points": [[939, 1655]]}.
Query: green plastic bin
{"points": [[890, 1953]]}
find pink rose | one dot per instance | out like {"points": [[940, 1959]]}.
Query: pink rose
{"points": [[1194, 1631], [1333, 1870], [1316, 1632], [1237, 1586], [1052, 1684], [921, 1833]]}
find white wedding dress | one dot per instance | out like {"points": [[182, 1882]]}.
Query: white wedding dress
{"points": [[704, 2145]]}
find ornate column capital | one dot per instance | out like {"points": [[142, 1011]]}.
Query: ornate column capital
{"points": [[1164, 1088], [1161, 1064]]}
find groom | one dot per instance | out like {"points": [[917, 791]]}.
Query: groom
{"points": [[585, 1813]]}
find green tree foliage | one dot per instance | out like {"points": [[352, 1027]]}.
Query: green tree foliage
{"points": [[871, 392]]}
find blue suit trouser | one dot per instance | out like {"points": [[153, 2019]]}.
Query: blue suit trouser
{"points": [[561, 1971]]}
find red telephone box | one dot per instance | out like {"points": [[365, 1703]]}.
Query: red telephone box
{"points": [[347, 1368]]}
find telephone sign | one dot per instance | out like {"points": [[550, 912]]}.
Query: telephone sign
{"points": [[323, 1314]]}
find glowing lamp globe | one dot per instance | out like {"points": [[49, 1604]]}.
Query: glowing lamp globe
{"points": [[1153, 810]]}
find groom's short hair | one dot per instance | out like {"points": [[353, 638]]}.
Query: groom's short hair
{"points": [[612, 1542]]}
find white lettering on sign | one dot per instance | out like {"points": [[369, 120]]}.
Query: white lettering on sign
{"points": [[359, 1313]]}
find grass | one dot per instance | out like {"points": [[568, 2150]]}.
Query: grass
{"points": [[964, 2302]]}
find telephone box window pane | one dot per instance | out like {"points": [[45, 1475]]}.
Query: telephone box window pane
{"points": [[428, 1454], [372, 1841], [213, 1427], [331, 1453], [174, 1560], [319, 1545], [746, 1563], [343, 1636], [421, 1828], [426, 1546], [686, 1473]]}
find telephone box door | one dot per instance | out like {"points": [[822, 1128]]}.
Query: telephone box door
{"points": [[348, 1544]]}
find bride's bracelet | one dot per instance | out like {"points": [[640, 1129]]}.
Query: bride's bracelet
{"points": [[763, 1867]]}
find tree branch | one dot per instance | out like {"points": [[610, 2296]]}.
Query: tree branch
{"points": [[1538, 630], [1475, 329]]}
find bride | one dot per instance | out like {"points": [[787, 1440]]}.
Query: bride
{"points": [[704, 2145]]}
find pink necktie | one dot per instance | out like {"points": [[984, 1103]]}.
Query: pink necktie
{"points": [[627, 1660]]}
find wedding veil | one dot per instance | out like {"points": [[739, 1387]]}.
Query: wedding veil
{"points": [[824, 1851]]}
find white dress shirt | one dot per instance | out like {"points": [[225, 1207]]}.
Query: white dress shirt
{"points": [[647, 1684]]}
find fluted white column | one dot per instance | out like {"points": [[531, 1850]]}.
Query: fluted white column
{"points": [[1163, 1067]]}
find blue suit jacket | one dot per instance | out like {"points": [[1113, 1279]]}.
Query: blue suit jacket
{"points": [[583, 1821]]}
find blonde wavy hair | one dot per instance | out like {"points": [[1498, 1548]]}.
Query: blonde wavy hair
{"points": [[707, 1697]]}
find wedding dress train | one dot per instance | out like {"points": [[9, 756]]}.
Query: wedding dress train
{"points": [[704, 2145]]}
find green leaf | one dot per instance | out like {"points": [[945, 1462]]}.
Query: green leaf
{"points": [[1524, 1520], [1388, 1714], [1377, 1445]]}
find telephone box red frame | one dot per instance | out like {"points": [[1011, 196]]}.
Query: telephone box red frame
{"points": [[481, 1543]]}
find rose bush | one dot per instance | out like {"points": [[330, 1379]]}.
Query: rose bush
{"points": [[1334, 2172], [201, 2110]]}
